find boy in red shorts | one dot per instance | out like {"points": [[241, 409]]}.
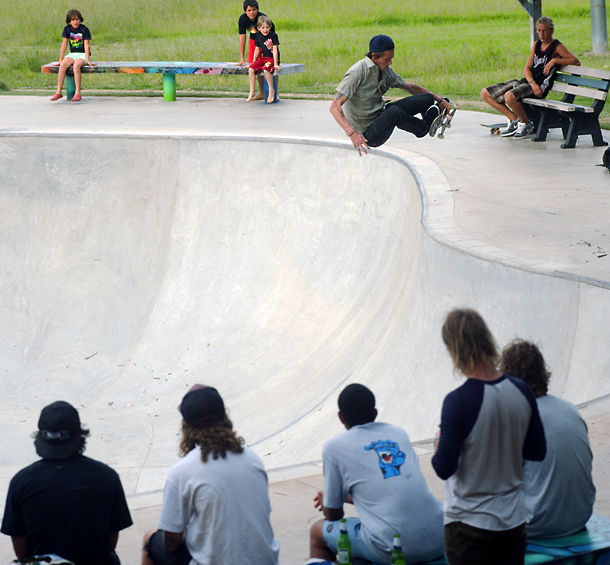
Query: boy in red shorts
{"points": [[266, 42], [248, 26]]}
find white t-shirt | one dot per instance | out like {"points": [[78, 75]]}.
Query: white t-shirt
{"points": [[377, 465], [223, 508]]}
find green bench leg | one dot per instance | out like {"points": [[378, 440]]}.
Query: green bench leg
{"points": [[169, 87], [70, 86]]}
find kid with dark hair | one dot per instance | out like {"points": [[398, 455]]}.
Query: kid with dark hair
{"points": [[248, 24], [78, 36]]}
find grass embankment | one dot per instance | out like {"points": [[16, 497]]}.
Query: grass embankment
{"points": [[454, 47]]}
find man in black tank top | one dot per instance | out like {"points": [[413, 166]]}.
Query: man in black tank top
{"points": [[546, 54]]}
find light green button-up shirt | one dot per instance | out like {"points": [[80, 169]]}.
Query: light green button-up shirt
{"points": [[364, 92]]}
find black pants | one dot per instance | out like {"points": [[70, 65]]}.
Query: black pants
{"points": [[401, 115], [467, 545]]}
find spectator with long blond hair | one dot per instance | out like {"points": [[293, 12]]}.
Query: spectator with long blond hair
{"points": [[489, 425]]}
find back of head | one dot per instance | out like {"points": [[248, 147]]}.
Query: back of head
{"points": [[59, 433], [206, 424], [357, 405], [522, 359], [468, 340]]}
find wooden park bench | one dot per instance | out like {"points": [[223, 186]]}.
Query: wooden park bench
{"points": [[589, 546], [169, 71], [574, 119]]}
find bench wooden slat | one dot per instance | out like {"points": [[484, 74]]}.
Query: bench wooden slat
{"points": [[578, 91], [585, 71], [582, 81], [562, 106]]}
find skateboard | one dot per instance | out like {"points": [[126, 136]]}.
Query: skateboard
{"points": [[495, 128], [443, 121]]}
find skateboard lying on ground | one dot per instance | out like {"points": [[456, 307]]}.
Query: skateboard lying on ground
{"points": [[443, 121], [496, 129]]}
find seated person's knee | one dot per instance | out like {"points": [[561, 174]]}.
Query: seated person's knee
{"points": [[509, 97]]}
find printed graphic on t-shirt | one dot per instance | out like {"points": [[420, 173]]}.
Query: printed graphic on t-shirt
{"points": [[76, 39], [390, 457]]}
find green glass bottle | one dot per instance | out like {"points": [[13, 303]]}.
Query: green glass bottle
{"points": [[397, 557], [344, 545]]}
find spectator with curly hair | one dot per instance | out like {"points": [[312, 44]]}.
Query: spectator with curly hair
{"points": [[559, 491], [216, 499]]}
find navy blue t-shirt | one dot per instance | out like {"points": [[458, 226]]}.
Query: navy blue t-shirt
{"points": [[76, 37]]}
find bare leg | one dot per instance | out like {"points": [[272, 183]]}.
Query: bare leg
{"points": [[145, 559], [252, 79], [502, 108], [317, 545], [517, 107], [61, 75], [261, 87], [269, 79], [78, 65]]}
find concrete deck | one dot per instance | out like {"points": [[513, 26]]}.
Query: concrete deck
{"points": [[343, 266]]}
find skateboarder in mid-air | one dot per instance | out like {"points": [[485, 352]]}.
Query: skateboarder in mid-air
{"points": [[539, 72], [368, 121]]}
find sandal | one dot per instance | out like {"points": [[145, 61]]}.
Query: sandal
{"points": [[76, 98], [56, 97]]}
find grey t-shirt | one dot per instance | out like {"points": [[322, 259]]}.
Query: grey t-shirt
{"points": [[364, 92], [376, 464], [559, 491]]}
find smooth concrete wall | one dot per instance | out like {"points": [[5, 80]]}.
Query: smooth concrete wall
{"points": [[132, 267]]}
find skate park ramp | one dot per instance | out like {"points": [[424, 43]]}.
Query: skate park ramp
{"points": [[277, 270]]}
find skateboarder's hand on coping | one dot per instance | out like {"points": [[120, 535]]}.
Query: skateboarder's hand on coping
{"points": [[359, 142]]}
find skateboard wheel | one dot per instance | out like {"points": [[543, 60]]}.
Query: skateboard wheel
{"points": [[449, 125], [440, 136]]}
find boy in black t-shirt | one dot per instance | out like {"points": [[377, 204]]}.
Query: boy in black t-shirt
{"points": [[248, 26], [266, 43]]}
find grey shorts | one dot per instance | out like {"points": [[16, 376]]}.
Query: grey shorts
{"points": [[519, 89]]}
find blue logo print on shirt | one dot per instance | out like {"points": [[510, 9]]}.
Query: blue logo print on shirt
{"points": [[390, 457]]}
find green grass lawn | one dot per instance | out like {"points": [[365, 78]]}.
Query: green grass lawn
{"points": [[454, 47]]}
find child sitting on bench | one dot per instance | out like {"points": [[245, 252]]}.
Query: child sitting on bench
{"points": [[266, 42]]}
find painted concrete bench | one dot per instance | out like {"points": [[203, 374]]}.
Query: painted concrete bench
{"points": [[574, 119], [169, 70], [588, 547]]}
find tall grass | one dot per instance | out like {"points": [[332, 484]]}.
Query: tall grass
{"points": [[451, 46]]}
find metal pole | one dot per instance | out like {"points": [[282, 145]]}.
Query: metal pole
{"points": [[599, 33], [535, 15]]}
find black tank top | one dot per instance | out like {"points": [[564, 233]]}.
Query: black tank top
{"points": [[541, 58]]}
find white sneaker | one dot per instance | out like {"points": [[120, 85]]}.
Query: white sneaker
{"points": [[523, 130], [510, 129]]}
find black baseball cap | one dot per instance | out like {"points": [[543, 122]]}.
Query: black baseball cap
{"points": [[381, 43], [59, 431], [202, 407]]}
